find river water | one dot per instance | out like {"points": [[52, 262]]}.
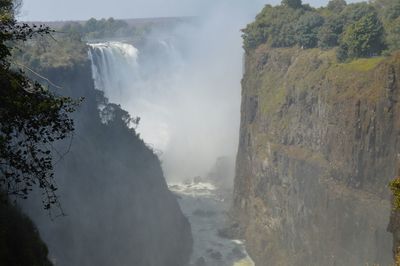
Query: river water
{"points": [[206, 206]]}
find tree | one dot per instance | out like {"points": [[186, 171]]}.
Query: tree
{"points": [[292, 3], [31, 118], [390, 15], [336, 6], [363, 38], [329, 33], [393, 34], [354, 12], [307, 29], [274, 26]]}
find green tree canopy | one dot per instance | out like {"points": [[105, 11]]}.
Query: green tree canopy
{"points": [[336, 6], [274, 26], [357, 29], [307, 29], [329, 33], [363, 38]]}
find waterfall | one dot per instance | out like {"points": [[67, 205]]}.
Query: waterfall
{"points": [[188, 108], [116, 72], [114, 67]]}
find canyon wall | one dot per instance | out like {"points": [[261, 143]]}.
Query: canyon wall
{"points": [[318, 145], [118, 208]]}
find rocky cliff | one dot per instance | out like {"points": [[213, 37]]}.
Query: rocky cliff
{"points": [[118, 208], [318, 145]]}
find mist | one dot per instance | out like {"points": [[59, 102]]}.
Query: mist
{"points": [[205, 110], [186, 89]]}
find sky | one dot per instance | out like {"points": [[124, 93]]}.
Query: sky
{"points": [[55, 10]]}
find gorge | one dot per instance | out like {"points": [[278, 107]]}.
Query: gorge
{"points": [[173, 163]]}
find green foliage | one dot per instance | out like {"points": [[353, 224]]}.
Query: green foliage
{"points": [[393, 34], [390, 16], [354, 12], [94, 29], [394, 186], [336, 6], [32, 118], [362, 64], [329, 33], [56, 51], [274, 26], [307, 28], [363, 38], [20, 243], [358, 30]]}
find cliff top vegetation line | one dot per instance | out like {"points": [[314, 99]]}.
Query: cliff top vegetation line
{"points": [[355, 30]]}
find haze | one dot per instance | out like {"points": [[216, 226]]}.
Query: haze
{"points": [[49, 10]]}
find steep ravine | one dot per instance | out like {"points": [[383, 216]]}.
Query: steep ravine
{"points": [[318, 146], [112, 189]]}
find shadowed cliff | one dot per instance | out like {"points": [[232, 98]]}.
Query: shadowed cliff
{"points": [[112, 189]]}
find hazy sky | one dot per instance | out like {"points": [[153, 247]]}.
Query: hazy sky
{"points": [[48, 10]]}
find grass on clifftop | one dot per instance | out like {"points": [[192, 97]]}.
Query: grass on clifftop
{"points": [[363, 64], [394, 186]]}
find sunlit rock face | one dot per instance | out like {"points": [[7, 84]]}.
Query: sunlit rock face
{"points": [[318, 146]]}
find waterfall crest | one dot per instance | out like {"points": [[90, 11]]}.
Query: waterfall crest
{"points": [[114, 65]]}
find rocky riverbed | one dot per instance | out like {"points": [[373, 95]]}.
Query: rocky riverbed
{"points": [[206, 206]]}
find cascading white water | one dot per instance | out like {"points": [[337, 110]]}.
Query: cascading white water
{"points": [[116, 72], [114, 65]]}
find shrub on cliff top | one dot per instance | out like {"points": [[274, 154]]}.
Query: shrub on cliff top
{"points": [[394, 186]]}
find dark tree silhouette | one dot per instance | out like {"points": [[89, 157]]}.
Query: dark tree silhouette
{"points": [[31, 117]]}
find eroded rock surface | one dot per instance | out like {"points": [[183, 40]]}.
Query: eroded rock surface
{"points": [[318, 146]]}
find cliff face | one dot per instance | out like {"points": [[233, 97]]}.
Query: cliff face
{"points": [[112, 189], [318, 146]]}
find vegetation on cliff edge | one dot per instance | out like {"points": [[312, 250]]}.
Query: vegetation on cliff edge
{"points": [[355, 30]]}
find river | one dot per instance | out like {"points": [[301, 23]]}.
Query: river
{"points": [[206, 207]]}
